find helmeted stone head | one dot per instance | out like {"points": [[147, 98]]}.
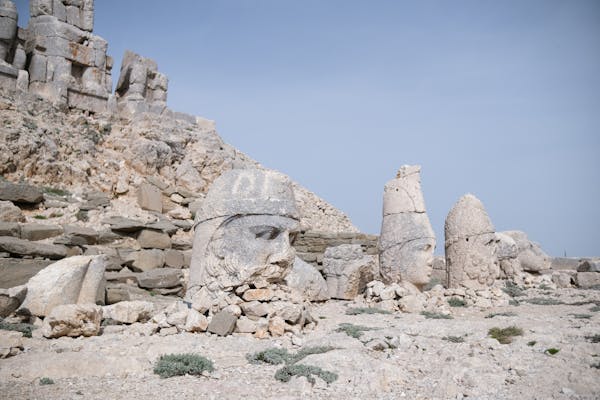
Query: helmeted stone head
{"points": [[242, 231]]}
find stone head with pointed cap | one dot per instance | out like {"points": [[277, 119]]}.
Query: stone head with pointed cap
{"points": [[242, 231]]}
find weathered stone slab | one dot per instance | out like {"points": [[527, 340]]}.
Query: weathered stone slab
{"points": [[222, 323], [10, 229], [149, 197], [26, 248], [17, 271], [125, 225], [307, 281], [587, 280], [589, 265], [20, 193], [146, 260], [35, 231], [10, 213], [160, 278], [174, 258], [11, 299], [151, 239], [128, 312], [347, 271]]}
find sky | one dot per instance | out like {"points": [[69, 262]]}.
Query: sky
{"points": [[496, 98]]}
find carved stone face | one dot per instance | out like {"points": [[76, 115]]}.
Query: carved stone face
{"points": [[414, 260], [251, 247]]}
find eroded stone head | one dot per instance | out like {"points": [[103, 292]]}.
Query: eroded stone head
{"points": [[243, 232]]}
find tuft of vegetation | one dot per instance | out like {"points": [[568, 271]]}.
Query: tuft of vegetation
{"points": [[46, 381], [286, 373], [55, 191], [552, 351], [456, 302], [543, 286], [40, 216], [352, 330], [431, 284], [532, 343], [502, 314], [595, 309], [514, 302], [594, 338], [512, 289], [25, 329], [454, 339], [581, 316], [366, 310], [322, 317], [433, 315], [505, 335], [307, 351], [276, 356], [82, 216], [182, 364], [544, 301]]}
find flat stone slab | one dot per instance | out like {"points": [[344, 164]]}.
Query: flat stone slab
{"points": [[21, 247], [16, 271], [35, 231], [20, 193], [125, 225], [160, 278], [222, 323]]}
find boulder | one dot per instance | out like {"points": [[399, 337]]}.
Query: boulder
{"points": [[195, 322], [530, 255], [123, 292], [149, 197], [39, 231], [20, 193], [22, 248], [151, 239], [128, 312], [307, 281], [222, 323], [10, 213], [347, 270], [160, 278], [588, 280], [72, 320], [10, 229], [589, 265], [74, 280], [11, 299], [11, 343]]}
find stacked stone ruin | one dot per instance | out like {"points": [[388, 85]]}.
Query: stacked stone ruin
{"points": [[59, 58]]}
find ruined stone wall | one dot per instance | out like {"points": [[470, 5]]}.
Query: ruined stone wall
{"points": [[311, 245]]}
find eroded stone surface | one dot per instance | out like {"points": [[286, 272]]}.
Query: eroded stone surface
{"points": [[348, 270]]}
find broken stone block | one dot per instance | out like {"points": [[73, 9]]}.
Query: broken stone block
{"points": [[22, 248], [11, 343], [245, 325], [39, 231], [20, 193], [128, 312], [258, 295], [10, 229], [160, 278], [347, 270], [149, 197], [10, 213], [11, 299], [222, 323], [307, 281], [195, 322], [588, 280], [146, 260], [174, 258], [73, 320], [151, 239]]}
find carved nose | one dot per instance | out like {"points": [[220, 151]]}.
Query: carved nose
{"points": [[283, 254]]}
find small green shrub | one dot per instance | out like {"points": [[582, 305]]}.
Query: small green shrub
{"points": [[272, 356], [82, 216], [532, 343], [39, 216], [595, 309], [594, 338], [322, 317], [56, 191], [501, 314], [543, 286], [182, 364], [307, 351], [366, 310], [46, 381], [433, 315], [544, 301], [581, 316], [511, 289], [552, 351], [286, 373], [454, 339], [352, 330], [505, 335], [514, 302], [25, 329], [456, 302]]}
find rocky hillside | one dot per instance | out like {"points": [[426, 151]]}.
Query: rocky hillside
{"points": [[180, 155]]}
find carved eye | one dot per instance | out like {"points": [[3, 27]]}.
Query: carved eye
{"points": [[427, 247], [293, 237], [266, 232]]}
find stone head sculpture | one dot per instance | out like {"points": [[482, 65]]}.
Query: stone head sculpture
{"points": [[8, 27], [407, 240], [243, 231], [470, 245]]}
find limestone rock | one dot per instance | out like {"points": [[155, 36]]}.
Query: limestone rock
{"points": [[26, 248], [151, 239], [174, 259], [128, 312], [149, 197], [195, 322], [348, 270], [11, 343], [587, 280], [72, 320], [222, 323], [11, 299], [245, 325], [276, 326], [20, 193], [255, 308], [39, 231], [308, 281], [530, 255], [469, 244], [160, 278], [10, 213], [146, 260], [589, 265], [116, 293], [74, 280], [125, 225], [258, 295], [10, 229]]}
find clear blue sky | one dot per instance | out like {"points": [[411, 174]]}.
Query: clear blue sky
{"points": [[497, 98]]}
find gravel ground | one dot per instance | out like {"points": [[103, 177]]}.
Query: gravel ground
{"points": [[415, 363]]}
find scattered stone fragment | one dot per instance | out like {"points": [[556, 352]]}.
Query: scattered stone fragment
{"points": [[146, 260], [20, 193], [151, 239], [308, 281], [160, 278], [11, 299], [72, 320], [348, 270], [587, 280], [22, 248], [222, 323], [195, 322], [174, 258], [128, 312], [150, 198], [11, 343], [258, 294], [10, 213]]}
